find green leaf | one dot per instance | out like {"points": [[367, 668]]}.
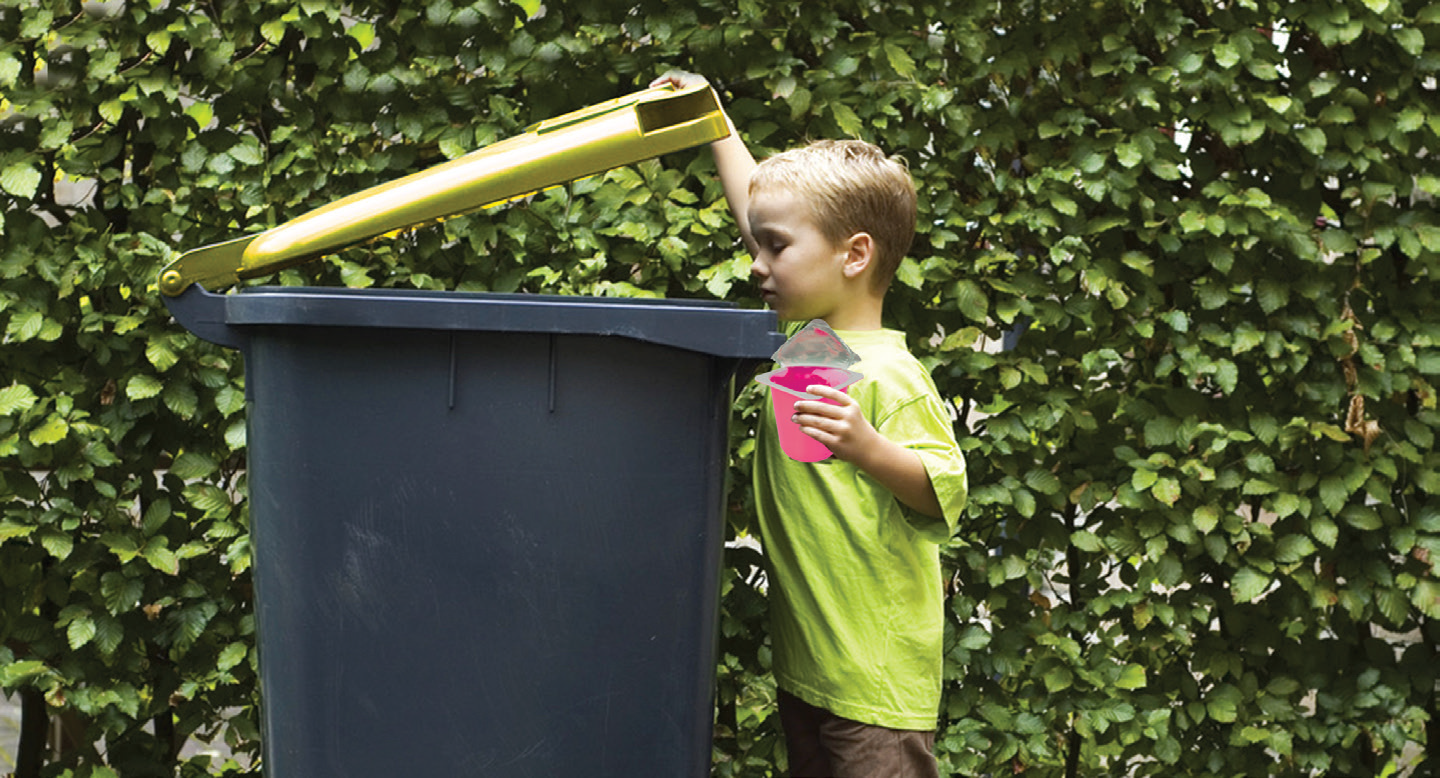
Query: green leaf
{"points": [[1325, 531], [112, 111], [1293, 548], [109, 634], [248, 151], [26, 325], [1058, 678], [120, 592], [158, 41], [1024, 502], [900, 60], [160, 355], [1362, 517], [123, 547], [229, 400], [57, 544], [848, 120], [1426, 598], [1225, 55], [1411, 40], [232, 655], [191, 620], [9, 70], [1223, 710], [364, 32], [971, 300], [20, 179], [1087, 541], [1247, 584], [1143, 478], [1128, 155], [235, 435], [1042, 481], [1285, 504], [13, 673], [9, 529], [1132, 677], [1427, 518], [1333, 494], [160, 557], [1279, 104], [908, 273], [155, 516], [1206, 518], [16, 398], [181, 398], [273, 31], [80, 631], [1166, 490], [1273, 294], [54, 430], [1393, 605], [208, 498], [1227, 375], [191, 466], [141, 387]]}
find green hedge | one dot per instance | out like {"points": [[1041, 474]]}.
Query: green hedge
{"points": [[1204, 537]]}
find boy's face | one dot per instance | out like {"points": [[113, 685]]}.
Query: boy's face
{"points": [[799, 270]]}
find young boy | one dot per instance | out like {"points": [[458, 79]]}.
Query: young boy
{"points": [[852, 543]]}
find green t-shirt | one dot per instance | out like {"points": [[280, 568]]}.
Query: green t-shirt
{"points": [[856, 590]]}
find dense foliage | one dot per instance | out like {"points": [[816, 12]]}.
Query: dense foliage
{"points": [[1204, 537]]}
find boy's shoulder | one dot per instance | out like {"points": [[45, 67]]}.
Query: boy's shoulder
{"points": [[884, 350], [894, 377]]}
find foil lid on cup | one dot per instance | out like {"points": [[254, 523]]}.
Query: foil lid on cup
{"points": [[816, 344]]}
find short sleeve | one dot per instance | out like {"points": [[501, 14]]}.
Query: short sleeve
{"points": [[923, 425]]}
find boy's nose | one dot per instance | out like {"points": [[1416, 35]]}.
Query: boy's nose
{"points": [[759, 270]]}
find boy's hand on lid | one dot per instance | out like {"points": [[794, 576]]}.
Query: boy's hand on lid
{"points": [[679, 79]]}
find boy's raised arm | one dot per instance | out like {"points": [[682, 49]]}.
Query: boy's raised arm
{"points": [[732, 159]]}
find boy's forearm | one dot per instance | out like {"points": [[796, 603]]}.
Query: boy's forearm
{"points": [[732, 159], [735, 163], [900, 470], [840, 425]]}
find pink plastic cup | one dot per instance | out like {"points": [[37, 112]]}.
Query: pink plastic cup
{"points": [[787, 385]]}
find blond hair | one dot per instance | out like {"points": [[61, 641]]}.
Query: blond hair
{"points": [[851, 187]]}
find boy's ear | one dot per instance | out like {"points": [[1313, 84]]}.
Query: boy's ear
{"points": [[859, 254]]}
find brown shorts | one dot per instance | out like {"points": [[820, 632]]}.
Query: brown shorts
{"points": [[823, 745]]}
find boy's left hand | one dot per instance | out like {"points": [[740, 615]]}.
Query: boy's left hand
{"points": [[841, 427]]}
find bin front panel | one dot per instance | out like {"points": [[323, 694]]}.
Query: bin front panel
{"points": [[485, 554]]}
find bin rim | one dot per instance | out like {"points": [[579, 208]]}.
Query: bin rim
{"points": [[716, 328]]}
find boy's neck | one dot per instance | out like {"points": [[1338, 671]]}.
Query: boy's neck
{"points": [[864, 312]]}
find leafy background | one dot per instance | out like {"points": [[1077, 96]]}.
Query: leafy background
{"points": [[1175, 268]]}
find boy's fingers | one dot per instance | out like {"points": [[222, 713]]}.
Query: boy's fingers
{"points": [[679, 79], [826, 391]]}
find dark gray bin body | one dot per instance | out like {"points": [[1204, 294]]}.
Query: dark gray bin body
{"points": [[487, 529]]}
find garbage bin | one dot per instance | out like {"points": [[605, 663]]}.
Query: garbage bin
{"points": [[487, 528]]}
